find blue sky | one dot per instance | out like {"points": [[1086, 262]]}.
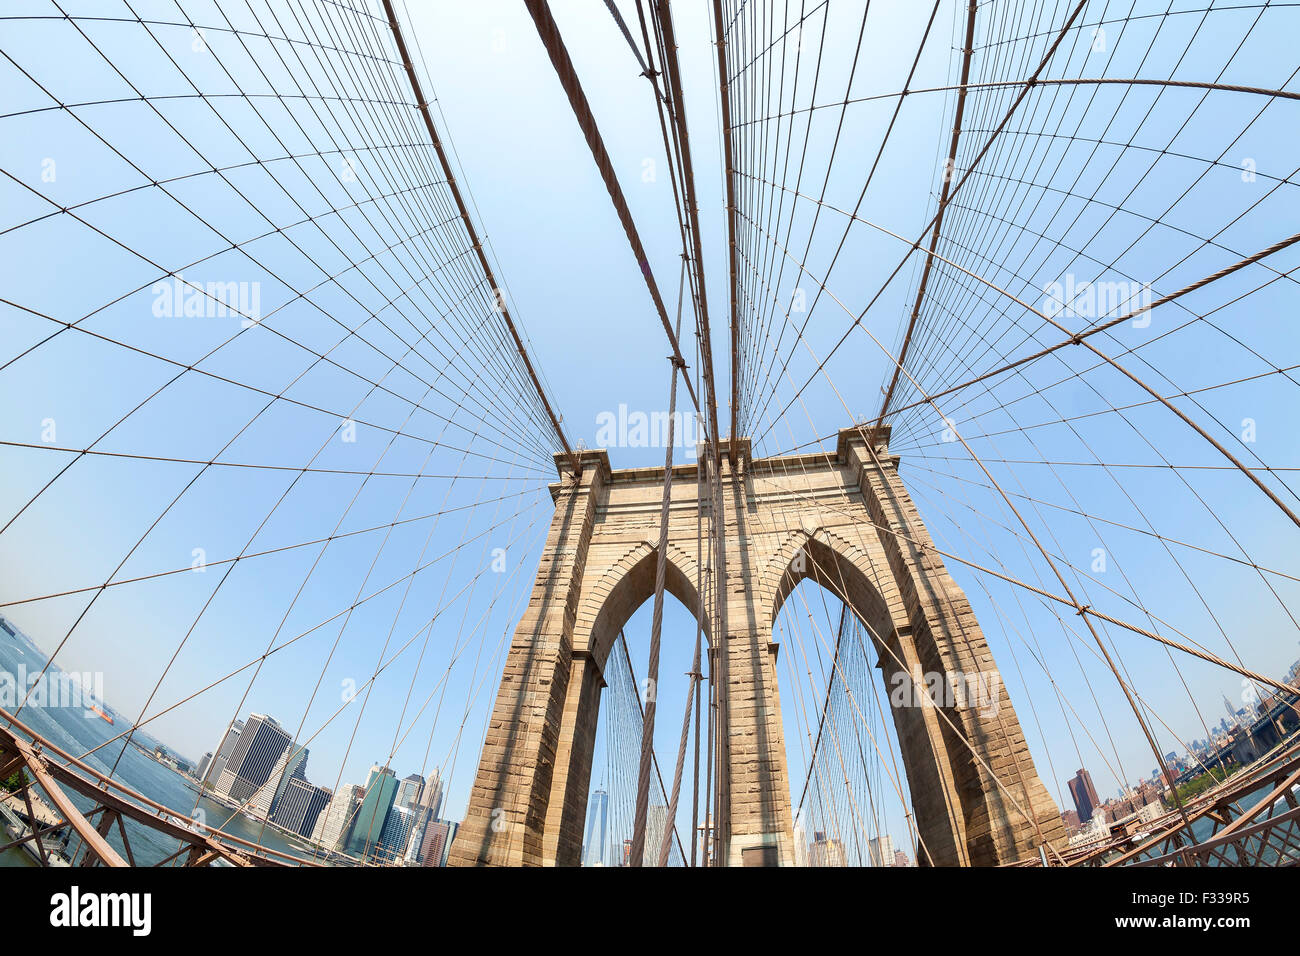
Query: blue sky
{"points": [[1170, 157]]}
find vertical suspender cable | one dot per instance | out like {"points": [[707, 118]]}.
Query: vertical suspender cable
{"points": [[657, 621]]}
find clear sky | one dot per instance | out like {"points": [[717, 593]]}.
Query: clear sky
{"points": [[1179, 546]]}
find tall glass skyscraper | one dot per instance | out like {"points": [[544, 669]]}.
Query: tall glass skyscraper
{"points": [[402, 818], [381, 789], [396, 833], [593, 845]]}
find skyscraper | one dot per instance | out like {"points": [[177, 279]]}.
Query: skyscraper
{"points": [[260, 745], [433, 848], [221, 755], [1085, 795], [431, 796], [426, 812], [452, 827], [880, 851], [295, 768], [593, 844], [292, 765], [300, 805], [381, 788], [824, 852], [415, 842], [395, 837], [436, 845], [335, 822], [396, 834]]}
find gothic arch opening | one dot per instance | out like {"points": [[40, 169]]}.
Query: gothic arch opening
{"points": [[611, 601], [849, 789], [836, 566], [609, 604], [620, 712], [921, 694]]}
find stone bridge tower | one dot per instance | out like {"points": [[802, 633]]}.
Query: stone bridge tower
{"points": [[843, 519]]}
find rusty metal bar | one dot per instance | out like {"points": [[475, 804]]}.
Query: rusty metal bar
{"points": [[1238, 840], [33, 822], [94, 841], [48, 828], [106, 817], [200, 859], [1280, 772]]}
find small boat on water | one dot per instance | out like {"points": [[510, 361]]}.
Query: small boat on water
{"points": [[99, 712]]}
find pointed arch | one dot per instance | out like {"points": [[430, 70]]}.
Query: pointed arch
{"points": [[930, 755], [606, 605], [837, 565]]}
